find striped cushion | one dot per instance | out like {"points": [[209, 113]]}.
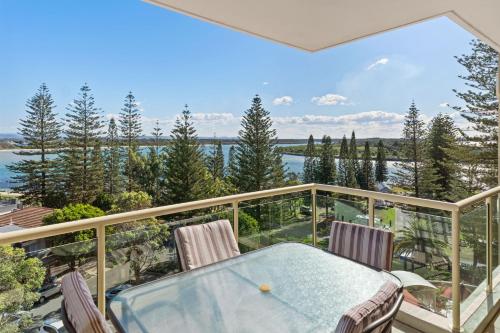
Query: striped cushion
{"points": [[80, 308], [367, 245], [357, 318], [203, 244]]}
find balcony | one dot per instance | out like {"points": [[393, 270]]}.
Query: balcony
{"points": [[453, 281]]}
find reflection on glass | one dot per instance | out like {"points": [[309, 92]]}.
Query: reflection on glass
{"points": [[271, 222]]}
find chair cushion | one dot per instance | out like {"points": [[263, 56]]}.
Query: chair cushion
{"points": [[203, 244], [357, 318], [367, 245], [80, 308]]}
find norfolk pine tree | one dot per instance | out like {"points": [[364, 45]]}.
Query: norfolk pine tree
{"points": [[326, 166], [380, 163], [481, 107], [342, 174], [408, 174], [84, 128], [441, 143], [367, 176], [112, 178], [353, 170], [215, 161], [36, 179], [255, 153], [185, 167], [310, 162], [131, 129]]}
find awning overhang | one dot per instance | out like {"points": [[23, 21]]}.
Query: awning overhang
{"points": [[320, 24]]}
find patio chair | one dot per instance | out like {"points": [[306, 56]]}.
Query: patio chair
{"points": [[370, 246], [79, 312], [375, 315], [203, 244]]}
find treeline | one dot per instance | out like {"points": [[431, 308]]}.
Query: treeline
{"points": [[437, 160], [392, 147], [444, 162], [320, 165], [85, 173]]}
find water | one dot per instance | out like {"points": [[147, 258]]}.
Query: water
{"points": [[293, 163]]}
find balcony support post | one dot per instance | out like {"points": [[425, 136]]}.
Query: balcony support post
{"points": [[313, 216], [371, 212], [101, 267], [235, 220], [498, 116], [455, 270], [489, 245]]}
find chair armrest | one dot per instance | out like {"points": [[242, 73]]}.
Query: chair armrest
{"points": [[389, 316]]}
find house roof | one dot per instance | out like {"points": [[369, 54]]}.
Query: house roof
{"points": [[320, 24], [28, 217]]}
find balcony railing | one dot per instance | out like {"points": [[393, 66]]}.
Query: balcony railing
{"points": [[238, 203]]}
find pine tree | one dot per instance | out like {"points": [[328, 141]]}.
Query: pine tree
{"points": [[310, 162], [440, 160], [112, 178], [154, 180], [278, 170], [157, 134], [343, 174], [326, 165], [353, 169], [381, 163], [481, 106], [215, 160], [232, 166], [84, 128], [96, 169], [185, 168], [131, 129], [367, 176], [255, 153], [35, 178], [408, 175]]}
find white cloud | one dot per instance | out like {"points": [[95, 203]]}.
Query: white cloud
{"points": [[444, 105], [265, 83], [213, 117], [381, 61], [329, 99], [284, 100], [353, 118]]}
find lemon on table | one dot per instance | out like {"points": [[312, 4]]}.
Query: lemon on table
{"points": [[265, 288]]}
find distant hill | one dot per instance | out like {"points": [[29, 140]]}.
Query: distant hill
{"points": [[13, 136]]}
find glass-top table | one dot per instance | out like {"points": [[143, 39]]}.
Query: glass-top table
{"points": [[310, 290]]}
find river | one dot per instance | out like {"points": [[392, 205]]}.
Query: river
{"points": [[293, 163]]}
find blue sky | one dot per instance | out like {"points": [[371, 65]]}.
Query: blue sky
{"points": [[169, 60]]}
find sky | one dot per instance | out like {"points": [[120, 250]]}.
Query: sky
{"points": [[168, 60]]}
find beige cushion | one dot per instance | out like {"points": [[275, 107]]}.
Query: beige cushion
{"points": [[360, 316], [203, 244], [366, 245], [80, 308]]}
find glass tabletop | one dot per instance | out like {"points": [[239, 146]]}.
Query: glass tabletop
{"points": [[310, 290]]}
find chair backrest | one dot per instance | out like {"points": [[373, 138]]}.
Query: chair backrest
{"points": [[366, 245], [203, 244], [375, 315], [80, 313]]}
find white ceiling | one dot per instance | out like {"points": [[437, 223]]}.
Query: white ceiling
{"points": [[314, 25]]}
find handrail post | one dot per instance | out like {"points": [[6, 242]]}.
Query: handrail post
{"points": [[235, 220], [489, 245], [313, 212], [101, 267], [455, 270], [371, 212]]}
